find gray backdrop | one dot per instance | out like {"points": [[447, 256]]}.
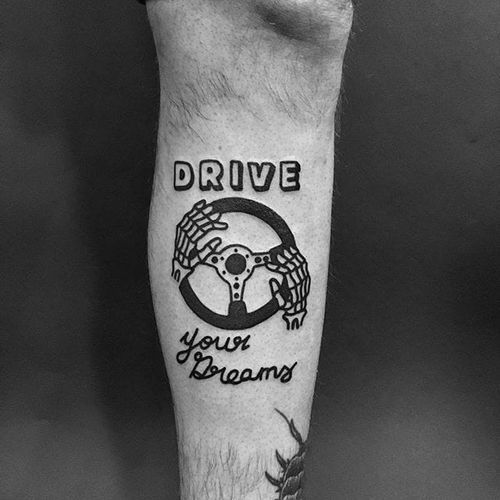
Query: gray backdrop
{"points": [[407, 402]]}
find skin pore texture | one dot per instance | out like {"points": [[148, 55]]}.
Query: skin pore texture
{"points": [[240, 231]]}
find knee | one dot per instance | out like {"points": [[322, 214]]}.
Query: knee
{"points": [[323, 24]]}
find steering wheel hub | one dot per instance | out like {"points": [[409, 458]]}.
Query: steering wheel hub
{"points": [[236, 264]]}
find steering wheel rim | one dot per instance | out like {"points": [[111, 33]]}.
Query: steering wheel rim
{"points": [[238, 318]]}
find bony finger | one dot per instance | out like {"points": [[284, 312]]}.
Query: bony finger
{"points": [[276, 291], [214, 243], [214, 216], [196, 218], [272, 267], [210, 247], [200, 204], [281, 259], [301, 273], [207, 210], [220, 225]]}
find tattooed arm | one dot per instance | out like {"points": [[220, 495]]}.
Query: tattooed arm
{"points": [[240, 228]]}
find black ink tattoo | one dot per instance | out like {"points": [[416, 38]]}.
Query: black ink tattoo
{"points": [[235, 265], [289, 485], [290, 176], [293, 267], [204, 367], [197, 223], [230, 344], [184, 176], [260, 175], [211, 172], [236, 175]]}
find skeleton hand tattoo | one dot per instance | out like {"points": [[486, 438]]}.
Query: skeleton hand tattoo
{"points": [[196, 224], [293, 291]]}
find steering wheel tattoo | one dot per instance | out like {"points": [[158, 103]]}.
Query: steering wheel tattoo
{"points": [[235, 265]]}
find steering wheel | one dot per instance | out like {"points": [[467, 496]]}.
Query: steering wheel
{"points": [[235, 265]]}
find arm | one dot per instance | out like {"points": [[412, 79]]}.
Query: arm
{"points": [[240, 228]]}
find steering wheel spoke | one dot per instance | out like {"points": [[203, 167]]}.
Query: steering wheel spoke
{"points": [[235, 265], [236, 290], [213, 260], [259, 259]]}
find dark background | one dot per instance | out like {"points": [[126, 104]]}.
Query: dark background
{"points": [[408, 395]]}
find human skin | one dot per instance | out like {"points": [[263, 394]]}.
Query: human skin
{"points": [[248, 97]]}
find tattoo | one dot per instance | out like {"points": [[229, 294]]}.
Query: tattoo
{"points": [[196, 245], [205, 368], [213, 177], [289, 485], [231, 344], [235, 265]]}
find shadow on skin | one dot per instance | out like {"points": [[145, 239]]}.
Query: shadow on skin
{"points": [[317, 23], [113, 142]]}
